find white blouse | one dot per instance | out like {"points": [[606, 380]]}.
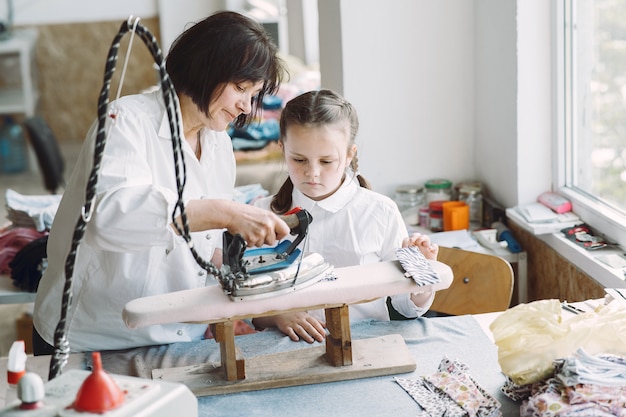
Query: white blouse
{"points": [[356, 226], [129, 250]]}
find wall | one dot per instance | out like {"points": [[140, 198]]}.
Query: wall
{"points": [[455, 89], [409, 71], [443, 89], [74, 39], [71, 59], [45, 12], [175, 16]]}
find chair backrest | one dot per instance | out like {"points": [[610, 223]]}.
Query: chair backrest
{"points": [[482, 283], [48, 152]]}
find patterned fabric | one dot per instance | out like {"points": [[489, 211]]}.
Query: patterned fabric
{"points": [[417, 266], [435, 403], [451, 392], [581, 385]]}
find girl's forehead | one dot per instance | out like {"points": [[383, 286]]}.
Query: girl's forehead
{"points": [[338, 132]]}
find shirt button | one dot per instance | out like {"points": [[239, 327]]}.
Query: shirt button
{"points": [[201, 272], [208, 236], [180, 332], [167, 251]]}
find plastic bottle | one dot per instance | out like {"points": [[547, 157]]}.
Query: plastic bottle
{"points": [[13, 156], [16, 368]]}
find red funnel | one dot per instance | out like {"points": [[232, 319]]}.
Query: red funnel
{"points": [[98, 393]]}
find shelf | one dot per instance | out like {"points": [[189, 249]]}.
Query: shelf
{"points": [[23, 98], [9, 294], [12, 100]]}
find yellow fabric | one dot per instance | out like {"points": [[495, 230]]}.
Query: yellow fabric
{"points": [[531, 336]]}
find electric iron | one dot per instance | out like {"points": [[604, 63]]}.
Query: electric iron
{"points": [[264, 272]]}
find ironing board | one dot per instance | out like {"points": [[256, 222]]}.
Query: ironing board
{"points": [[340, 359]]}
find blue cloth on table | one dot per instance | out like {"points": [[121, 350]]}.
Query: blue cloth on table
{"points": [[428, 339]]}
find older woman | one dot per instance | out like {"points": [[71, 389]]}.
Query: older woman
{"points": [[221, 68]]}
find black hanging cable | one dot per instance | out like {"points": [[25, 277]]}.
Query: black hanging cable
{"points": [[62, 348]]}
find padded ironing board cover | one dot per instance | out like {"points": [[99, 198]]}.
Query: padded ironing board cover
{"points": [[354, 284]]}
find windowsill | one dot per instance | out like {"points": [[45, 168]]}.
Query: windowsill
{"points": [[585, 260]]}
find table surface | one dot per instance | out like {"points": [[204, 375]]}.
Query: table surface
{"points": [[428, 339], [9, 294]]}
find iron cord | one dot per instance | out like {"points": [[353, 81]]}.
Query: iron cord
{"points": [[61, 344]]}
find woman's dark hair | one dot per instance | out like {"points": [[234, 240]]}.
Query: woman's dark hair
{"points": [[225, 47], [314, 109]]}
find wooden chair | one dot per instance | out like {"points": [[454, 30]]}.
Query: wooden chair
{"points": [[482, 283]]}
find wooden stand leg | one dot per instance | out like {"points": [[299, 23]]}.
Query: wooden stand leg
{"points": [[338, 342], [235, 368]]}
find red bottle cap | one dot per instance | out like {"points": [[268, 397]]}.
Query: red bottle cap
{"points": [[14, 377]]}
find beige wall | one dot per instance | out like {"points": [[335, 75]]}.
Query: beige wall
{"points": [[70, 59]]}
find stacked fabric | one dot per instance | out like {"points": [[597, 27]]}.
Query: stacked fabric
{"points": [[581, 385], [35, 211], [23, 241], [563, 367]]}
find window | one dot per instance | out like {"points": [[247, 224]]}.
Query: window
{"points": [[591, 103]]}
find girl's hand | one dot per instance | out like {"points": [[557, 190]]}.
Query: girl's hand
{"points": [[300, 325], [429, 250]]}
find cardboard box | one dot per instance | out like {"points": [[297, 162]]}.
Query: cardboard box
{"points": [[24, 330]]}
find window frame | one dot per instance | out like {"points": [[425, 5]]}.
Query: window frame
{"points": [[604, 219]]}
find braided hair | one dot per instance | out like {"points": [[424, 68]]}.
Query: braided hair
{"points": [[314, 109]]}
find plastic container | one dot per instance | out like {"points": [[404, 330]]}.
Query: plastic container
{"points": [[16, 368], [13, 157], [438, 189]]}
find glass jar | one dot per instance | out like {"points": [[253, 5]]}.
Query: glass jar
{"points": [[409, 199], [438, 189], [435, 221], [424, 217], [472, 195]]}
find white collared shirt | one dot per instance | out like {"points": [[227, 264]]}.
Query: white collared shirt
{"points": [[355, 226], [129, 250]]}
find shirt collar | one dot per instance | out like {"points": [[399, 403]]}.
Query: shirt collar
{"points": [[333, 203], [164, 128]]}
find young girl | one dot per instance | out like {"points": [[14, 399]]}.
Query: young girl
{"points": [[352, 225]]}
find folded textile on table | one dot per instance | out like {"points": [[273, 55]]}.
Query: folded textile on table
{"points": [[29, 264], [247, 194], [530, 337], [12, 241], [580, 385], [450, 392], [35, 211]]}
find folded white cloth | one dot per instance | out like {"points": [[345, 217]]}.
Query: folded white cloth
{"points": [[36, 211]]}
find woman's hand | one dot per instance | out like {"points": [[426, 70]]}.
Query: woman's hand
{"points": [[258, 227], [300, 325], [429, 250]]}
